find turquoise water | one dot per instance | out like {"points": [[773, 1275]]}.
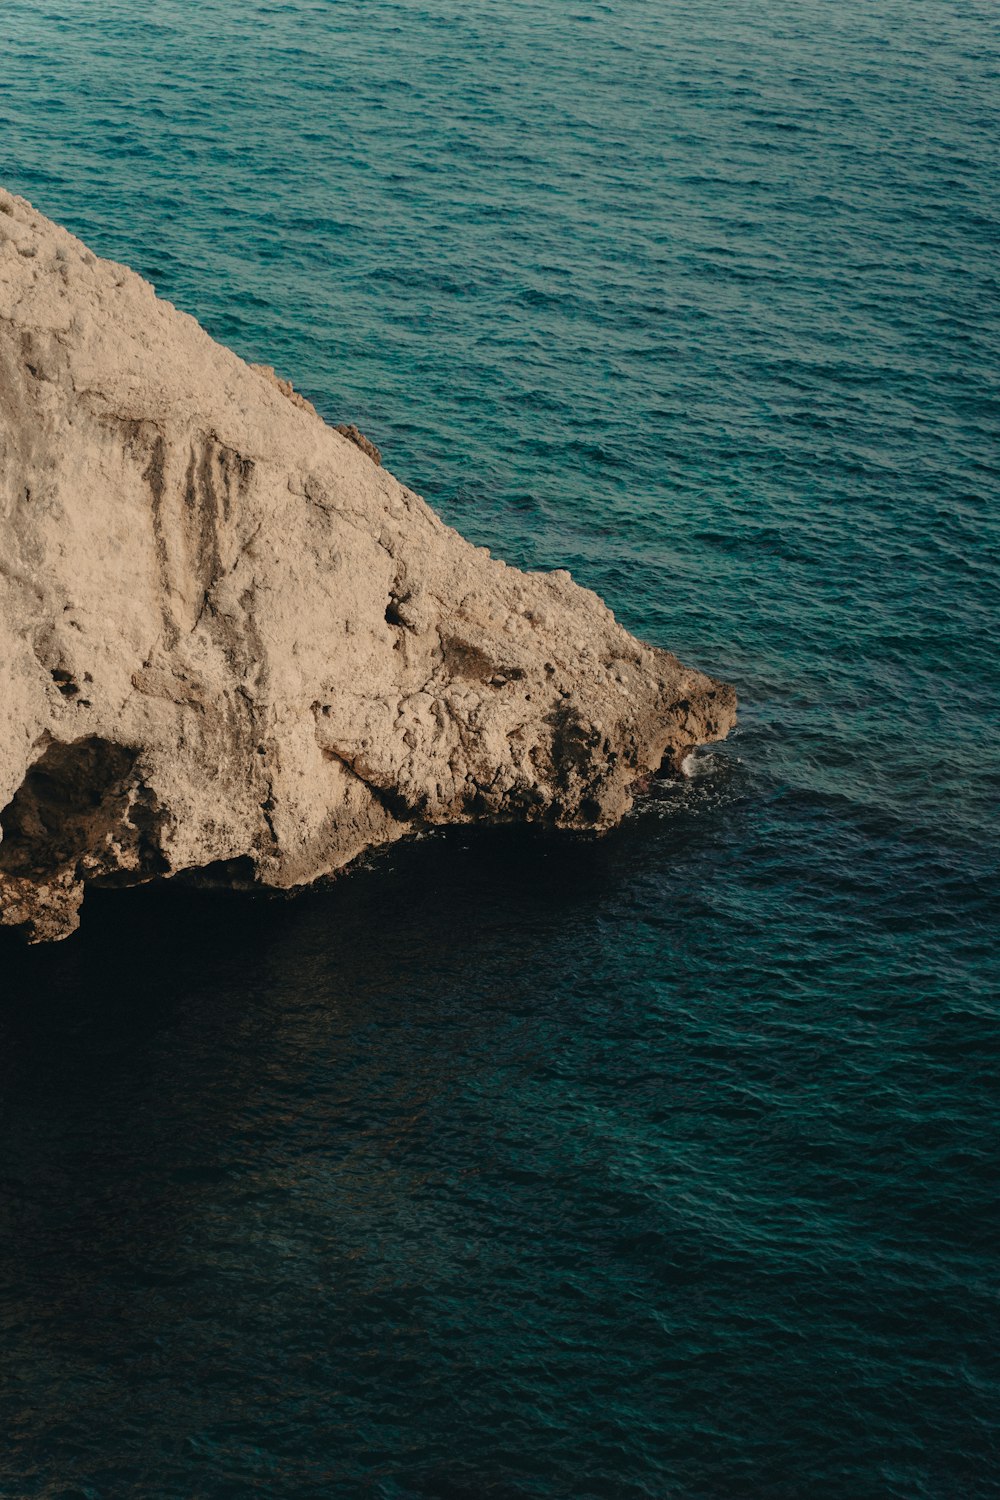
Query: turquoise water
{"points": [[664, 1166]]}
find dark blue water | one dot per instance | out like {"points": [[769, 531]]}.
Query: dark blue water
{"points": [[658, 1168]]}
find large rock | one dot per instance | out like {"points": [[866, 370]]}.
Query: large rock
{"points": [[231, 642]]}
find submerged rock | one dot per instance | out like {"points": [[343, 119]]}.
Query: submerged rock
{"points": [[231, 642]]}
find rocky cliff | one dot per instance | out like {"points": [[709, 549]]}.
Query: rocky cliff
{"points": [[231, 642]]}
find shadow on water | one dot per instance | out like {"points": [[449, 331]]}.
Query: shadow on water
{"points": [[435, 929], [419, 905], [506, 1158], [252, 1151], [424, 906]]}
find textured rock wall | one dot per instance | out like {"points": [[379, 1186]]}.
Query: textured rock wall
{"points": [[230, 639]]}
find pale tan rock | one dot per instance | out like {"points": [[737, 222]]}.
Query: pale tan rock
{"points": [[229, 640]]}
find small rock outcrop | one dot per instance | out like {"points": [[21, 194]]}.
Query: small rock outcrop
{"points": [[231, 642], [348, 430]]}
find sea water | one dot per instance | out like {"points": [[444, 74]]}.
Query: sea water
{"points": [[512, 1166]]}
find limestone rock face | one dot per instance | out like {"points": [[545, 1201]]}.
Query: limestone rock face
{"points": [[230, 642]]}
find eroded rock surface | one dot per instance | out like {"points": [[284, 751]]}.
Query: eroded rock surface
{"points": [[229, 640]]}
